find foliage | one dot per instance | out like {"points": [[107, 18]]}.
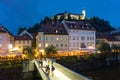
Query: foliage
{"points": [[50, 50], [34, 43], [100, 25], [115, 50], [29, 52], [105, 49], [21, 29]]}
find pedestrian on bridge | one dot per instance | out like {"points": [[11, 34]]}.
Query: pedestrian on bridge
{"points": [[47, 70]]}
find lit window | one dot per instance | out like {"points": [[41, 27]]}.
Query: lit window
{"points": [[56, 31], [46, 45], [57, 38], [39, 44]]}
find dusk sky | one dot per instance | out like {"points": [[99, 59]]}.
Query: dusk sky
{"points": [[19, 13]]}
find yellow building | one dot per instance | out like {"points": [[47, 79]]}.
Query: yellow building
{"points": [[52, 34], [22, 41]]}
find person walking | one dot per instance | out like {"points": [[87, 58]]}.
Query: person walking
{"points": [[47, 70]]}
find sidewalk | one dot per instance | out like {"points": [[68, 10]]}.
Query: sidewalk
{"points": [[58, 76]]}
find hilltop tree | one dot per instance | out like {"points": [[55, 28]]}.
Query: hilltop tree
{"points": [[100, 25], [21, 29]]}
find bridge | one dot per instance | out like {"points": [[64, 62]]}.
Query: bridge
{"points": [[60, 72]]}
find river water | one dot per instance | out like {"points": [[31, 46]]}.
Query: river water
{"points": [[109, 73]]}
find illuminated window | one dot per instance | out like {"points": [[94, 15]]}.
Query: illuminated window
{"points": [[57, 38], [46, 45], [56, 31], [39, 44]]}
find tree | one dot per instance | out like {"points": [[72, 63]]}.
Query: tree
{"points": [[115, 51], [105, 49], [50, 50], [29, 52], [34, 29], [100, 25], [21, 29]]}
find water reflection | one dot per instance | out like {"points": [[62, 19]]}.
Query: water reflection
{"points": [[111, 73]]}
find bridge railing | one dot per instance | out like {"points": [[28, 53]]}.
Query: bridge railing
{"points": [[69, 73], [41, 72]]}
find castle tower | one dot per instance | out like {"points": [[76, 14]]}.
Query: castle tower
{"points": [[84, 14]]}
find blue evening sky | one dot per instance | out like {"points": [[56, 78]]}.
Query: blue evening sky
{"points": [[19, 13]]}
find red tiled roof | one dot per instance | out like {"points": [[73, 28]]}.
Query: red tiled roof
{"points": [[82, 25], [24, 37], [53, 28], [3, 29]]}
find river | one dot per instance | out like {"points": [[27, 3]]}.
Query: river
{"points": [[109, 73]]}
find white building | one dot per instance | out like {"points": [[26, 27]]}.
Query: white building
{"points": [[81, 35]]}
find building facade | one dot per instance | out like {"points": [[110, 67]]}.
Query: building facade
{"points": [[5, 36], [81, 35], [23, 41], [52, 34]]}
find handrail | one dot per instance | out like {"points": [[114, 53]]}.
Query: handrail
{"points": [[41, 72]]}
